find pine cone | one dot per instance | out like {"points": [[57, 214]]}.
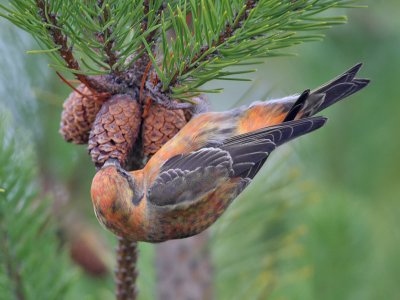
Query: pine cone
{"points": [[159, 126], [78, 115], [115, 129]]}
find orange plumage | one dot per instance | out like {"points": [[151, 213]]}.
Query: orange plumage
{"points": [[193, 178]]}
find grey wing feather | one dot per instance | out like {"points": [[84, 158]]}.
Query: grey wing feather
{"points": [[250, 151], [277, 134], [203, 157], [186, 177], [187, 187]]}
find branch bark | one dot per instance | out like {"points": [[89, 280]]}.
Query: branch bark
{"points": [[126, 273], [104, 18], [61, 40]]}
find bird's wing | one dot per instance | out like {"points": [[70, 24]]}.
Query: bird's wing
{"points": [[187, 177], [250, 151]]}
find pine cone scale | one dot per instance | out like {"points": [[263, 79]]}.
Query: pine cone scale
{"points": [[79, 112], [159, 126], [115, 129]]}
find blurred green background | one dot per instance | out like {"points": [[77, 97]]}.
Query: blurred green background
{"points": [[346, 224]]}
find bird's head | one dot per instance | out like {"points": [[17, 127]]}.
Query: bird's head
{"points": [[114, 194]]}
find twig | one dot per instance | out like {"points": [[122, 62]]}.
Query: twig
{"points": [[146, 10], [224, 35], [103, 36], [141, 64], [69, 84], [99, 97], [62, 41], [145, 24], [126, 273], [156, 94], [143, 83]]}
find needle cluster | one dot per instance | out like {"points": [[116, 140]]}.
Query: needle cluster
{"points": [[187, 42]]}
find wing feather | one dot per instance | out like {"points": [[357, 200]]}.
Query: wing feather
{"points": [[187, 177]]}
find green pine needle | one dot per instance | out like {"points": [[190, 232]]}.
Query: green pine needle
{"points": [[82, 23], [195, 41], [197, 54]]}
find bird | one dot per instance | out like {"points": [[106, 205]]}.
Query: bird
{"points": [[190, 182]]}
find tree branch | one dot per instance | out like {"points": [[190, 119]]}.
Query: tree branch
{"points": [[104, 36], [227, 33], [60, 40], [141, 64], [145, 23], [126, 273]]}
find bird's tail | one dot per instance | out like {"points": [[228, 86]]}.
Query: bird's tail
{"points": [[311, 102]]}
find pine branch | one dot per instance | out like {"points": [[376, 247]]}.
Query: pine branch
{"points": [[231, 33], [92, 37], [60, 40], [50, 20], [152, 11], [106, 36], [223, 36], [126, 273]]}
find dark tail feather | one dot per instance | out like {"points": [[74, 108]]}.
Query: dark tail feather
{"points": [[328, 94], [340, 88], [297, 106]]}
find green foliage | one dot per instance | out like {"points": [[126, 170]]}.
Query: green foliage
{"points": [[33, 266], [93, 28], [229, 33], [198, 40]]}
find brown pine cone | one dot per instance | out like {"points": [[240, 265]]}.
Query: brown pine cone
{"points": [[159, 126], [115, 129], [79, 114]]}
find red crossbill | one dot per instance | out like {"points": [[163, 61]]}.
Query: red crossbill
{"points": [[192, 179]]}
